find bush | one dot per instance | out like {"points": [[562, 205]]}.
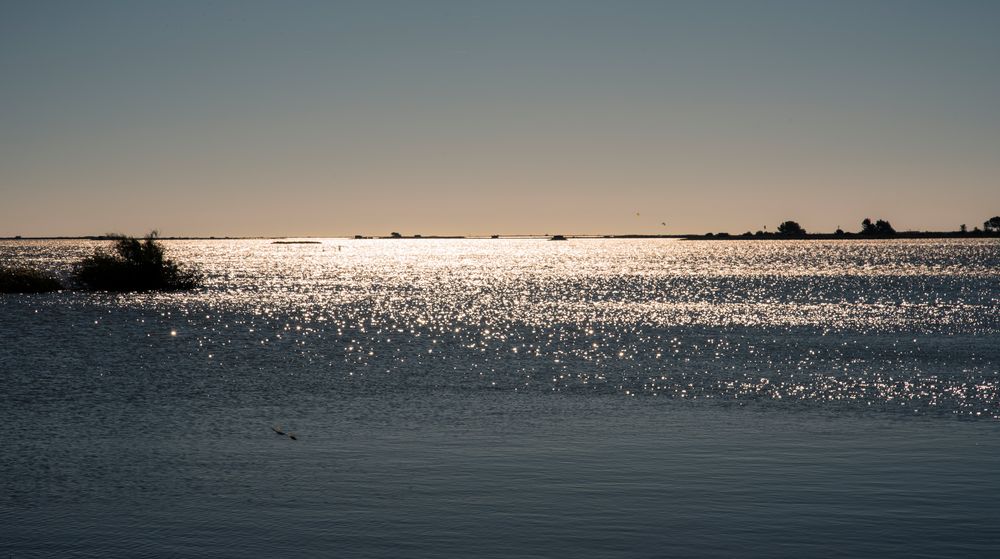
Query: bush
{"points": [[27, 280], [134, 265]]}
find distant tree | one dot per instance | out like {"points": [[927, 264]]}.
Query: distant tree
{"points": [[838, 232], [880, 227], [963, 229], [395, 235], [883, 227], [992, 224], [791, 228]]}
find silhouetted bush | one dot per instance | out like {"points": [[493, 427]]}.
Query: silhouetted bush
{"points": [[133, 266], [27, 280], [791, 228]]}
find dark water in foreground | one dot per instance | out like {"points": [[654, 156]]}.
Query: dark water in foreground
{"points": [[510, 399]]}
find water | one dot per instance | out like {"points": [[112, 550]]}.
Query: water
{"points": [[499, 398]]}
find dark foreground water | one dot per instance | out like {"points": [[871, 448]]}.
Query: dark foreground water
{"points": [[510, 399]]}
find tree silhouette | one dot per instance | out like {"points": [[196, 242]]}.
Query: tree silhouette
{"points": [[992, 224], [791, 228], [880, 227]]}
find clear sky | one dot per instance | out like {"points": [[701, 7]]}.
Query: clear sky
{"points": [[479, 117]]}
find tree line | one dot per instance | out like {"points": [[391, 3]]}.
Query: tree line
{"points": [[879, 228]]}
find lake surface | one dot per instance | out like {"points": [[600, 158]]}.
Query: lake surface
{"points": [[510, 398]]}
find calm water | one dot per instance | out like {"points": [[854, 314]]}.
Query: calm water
{"points": [[501, 398]]}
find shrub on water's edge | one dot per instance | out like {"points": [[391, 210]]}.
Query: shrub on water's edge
{"points": [[27, 280], [134, 265]]}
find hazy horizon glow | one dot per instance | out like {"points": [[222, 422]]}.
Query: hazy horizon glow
{"points": [[332, 118]]}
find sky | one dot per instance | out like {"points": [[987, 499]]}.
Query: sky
{"points": [[323, 118]]}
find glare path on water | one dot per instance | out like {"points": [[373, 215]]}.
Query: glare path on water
{"points": [[892, 326]]}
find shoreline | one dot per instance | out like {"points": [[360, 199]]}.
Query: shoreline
{"points": [[686, 237]]}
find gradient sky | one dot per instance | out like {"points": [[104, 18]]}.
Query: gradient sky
{"points": [[468, 117]]}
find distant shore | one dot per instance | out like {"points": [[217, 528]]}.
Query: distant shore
{"points": [[846, 236], [690, 237]]}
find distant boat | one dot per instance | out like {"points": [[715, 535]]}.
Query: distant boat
{"points": [[557, 238]]}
